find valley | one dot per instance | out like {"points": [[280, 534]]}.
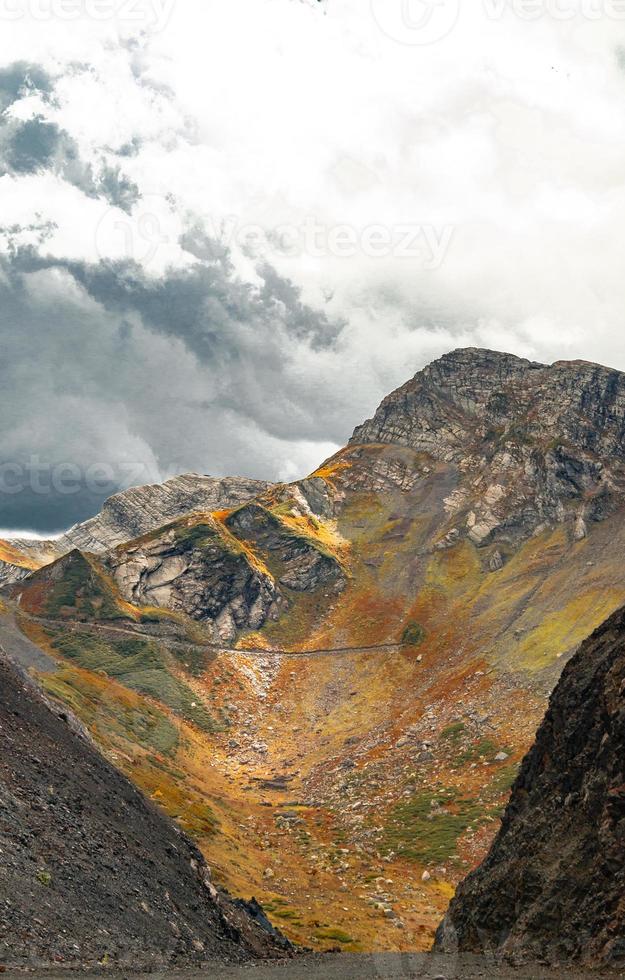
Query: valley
{"points": [[330, 685]]}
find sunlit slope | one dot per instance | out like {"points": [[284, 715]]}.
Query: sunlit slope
{"points": [[331, 685], [401, 755]]}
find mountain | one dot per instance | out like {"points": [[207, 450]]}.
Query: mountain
{"points": [[17, 563], [127, 515], [553, 439], [90, 872], [356, 663], [552, 886]]}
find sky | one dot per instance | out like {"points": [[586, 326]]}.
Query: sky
{"points": [[229, 227]]}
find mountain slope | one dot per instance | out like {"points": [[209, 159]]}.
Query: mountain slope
{"points": [[127, 515], [552, 887], [137, 511], [439, 569], [90, 871]]}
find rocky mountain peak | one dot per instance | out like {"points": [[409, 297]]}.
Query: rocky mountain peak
{"points": [[534, 444]]}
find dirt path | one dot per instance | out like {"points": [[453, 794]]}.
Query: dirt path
{"points": [[385, 966], [216, 648]]}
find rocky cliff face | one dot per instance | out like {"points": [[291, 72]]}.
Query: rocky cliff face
{"points": [[90, 872], [197, 568], [232, 570], [536, 445], [137, 511], [553, 886], [127, 515]]}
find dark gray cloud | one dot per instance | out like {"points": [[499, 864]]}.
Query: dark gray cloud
{"points": [[20, 79], [111, 376], [118, 189], [35, 145], [108, 371]]}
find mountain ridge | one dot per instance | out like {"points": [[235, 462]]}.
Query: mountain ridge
{"points": [[453, 587], [126, 515]]}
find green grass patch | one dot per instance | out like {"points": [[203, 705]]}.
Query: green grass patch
{"points": [[413, 635], [427, 827], [147, 727], [502, 782], [192, 659], [454, 732], [338, 935], [484, 749], [81, 592], [198, 536], [141, 666]]}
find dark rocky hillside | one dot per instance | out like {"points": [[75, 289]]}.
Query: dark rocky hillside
{"points": [[90, 871], [553, 886], [330, 686]]}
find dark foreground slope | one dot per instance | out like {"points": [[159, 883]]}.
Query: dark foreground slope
{"points": [[553, 885], [89, 871]]}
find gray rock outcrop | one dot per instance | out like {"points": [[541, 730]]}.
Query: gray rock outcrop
{"points": [[530, 441], [133, 512]]}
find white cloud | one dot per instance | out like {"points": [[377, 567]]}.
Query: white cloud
{"points": [[508, 131]]}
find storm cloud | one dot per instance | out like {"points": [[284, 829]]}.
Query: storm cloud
{"points": [[155, 317], [36, 144], [136, 378]]}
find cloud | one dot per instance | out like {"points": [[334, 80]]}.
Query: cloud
{"points": [[137, 378], [30, 143], [151, 181], [21, 79]]}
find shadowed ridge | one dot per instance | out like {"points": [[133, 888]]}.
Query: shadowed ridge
{"points": [[552, 886], [92, 872]]}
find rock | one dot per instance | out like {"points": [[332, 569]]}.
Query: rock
{"points": [[495, 562], [579, 531], [551, 888], [193, 567], [89, 867], [138, 510], [519, 432], [501, 757], [426, 876]]}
